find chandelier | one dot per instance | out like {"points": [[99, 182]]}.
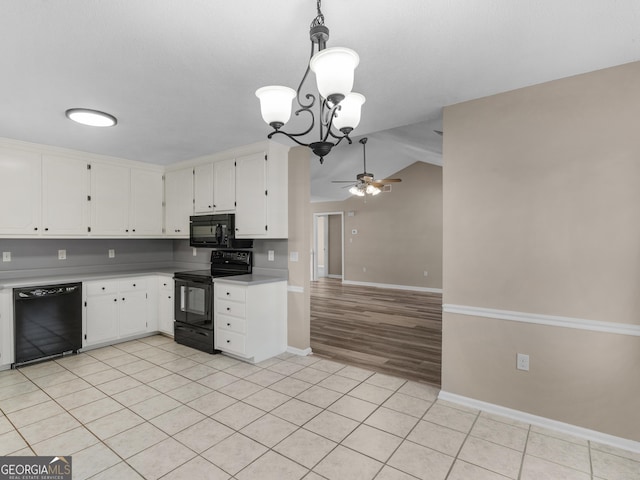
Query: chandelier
{"points": [[338, 106]]}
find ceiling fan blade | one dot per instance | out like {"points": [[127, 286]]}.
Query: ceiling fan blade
{"points": [[342, 181], [388, 180]]}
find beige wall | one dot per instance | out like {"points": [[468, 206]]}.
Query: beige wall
{"points": [[298, 312], [541, 215], [399, 233]]}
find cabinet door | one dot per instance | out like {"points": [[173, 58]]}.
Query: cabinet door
{"points": [[146, 202], [224, 186], [132, 314], [102, 319], [110, 190], [178, 202], [65, 190], [251, 195], [203, 188], [20, 192], [165, 305]]}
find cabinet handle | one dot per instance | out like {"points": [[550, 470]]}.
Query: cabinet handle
{"points": [[228, 293], [228, 341], [103, 288], [228, 309], [36, 229], [123, 299], [169, 297], [214, 206], [46, 229], [209, 206], [134, 284], [115, 299], [237, 229], [228, 324]]}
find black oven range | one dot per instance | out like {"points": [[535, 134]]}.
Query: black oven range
{"points": [[194, 297]]}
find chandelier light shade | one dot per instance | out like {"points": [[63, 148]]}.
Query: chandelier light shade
{"points": [[275, 104], [348, 117], [334, 69], [338, 107]]}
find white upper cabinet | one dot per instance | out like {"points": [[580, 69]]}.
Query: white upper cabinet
{"points": [[146, 214], [65, 196], [224, 186], [251, 195], [203, 191], [178, 197], [262, 194], [20, 192], [110, 192]]}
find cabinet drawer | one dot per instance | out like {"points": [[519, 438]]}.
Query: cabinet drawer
{"points": [[230, 341], [231, 292], [99, 288], [235, 309], [132, 284], [231, 323]]}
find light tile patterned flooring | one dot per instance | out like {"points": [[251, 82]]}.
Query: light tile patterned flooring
{"points": [[151, 408]]}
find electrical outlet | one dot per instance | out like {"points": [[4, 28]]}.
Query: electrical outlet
{"points": [[112, 253], [426, 274], [195, 252], [6, 256], [271, 255], [522, 362], [62, 254], [293, 256], [364, 269]]}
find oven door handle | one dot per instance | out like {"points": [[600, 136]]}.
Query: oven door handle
{"points": [[183, 298]]}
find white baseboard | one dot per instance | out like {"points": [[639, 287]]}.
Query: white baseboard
{"points": [[334, 276], [299, 352], [295, 289], [574, 430], [392, 286]]}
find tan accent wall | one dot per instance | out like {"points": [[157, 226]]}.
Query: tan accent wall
{"points": [[399, 233], [541, 215], [299, 316], [335, 245]]}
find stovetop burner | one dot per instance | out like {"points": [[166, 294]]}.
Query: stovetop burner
{"points": [[224, 263]]}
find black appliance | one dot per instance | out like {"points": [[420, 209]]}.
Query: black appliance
{"points": [[215, 231], [47, 321], [194, 297]]}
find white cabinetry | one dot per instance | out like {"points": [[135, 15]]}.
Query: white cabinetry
{"points": [[203, 188], [101, 312], [6, 327], [145, 218], [115, 309], [178, 202], [224, 186], [165, 305], [110, 191], [65, 196], [250, 322], [20, 192], [261, 194]]}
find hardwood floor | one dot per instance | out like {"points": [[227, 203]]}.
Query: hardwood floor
{"points": [[397, 332]]}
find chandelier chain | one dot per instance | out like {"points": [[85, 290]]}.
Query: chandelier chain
{"points": [[319, 20]]}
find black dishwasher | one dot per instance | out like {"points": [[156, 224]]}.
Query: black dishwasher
{"points": [[47, 321]]}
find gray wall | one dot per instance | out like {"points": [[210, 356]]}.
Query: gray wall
{"points": [[40, 256]]}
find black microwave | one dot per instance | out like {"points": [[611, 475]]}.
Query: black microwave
{"points": [[215, 231]]}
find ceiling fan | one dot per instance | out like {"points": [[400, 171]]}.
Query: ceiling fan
{"points": [[365, 182]]}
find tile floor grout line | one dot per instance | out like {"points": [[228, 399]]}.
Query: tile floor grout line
{"points": [[468, 434], [524, 453]]}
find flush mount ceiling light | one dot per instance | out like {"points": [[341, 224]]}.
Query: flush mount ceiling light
{"points": [[93, 118], [339, 107]]}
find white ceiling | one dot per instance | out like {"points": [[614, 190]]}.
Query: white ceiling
{"points": [[180, 75]]}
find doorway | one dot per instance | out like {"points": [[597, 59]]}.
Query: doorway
{"points": [[328, 243]]}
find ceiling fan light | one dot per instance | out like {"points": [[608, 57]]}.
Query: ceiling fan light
{"points": [[372, 190], [334, 68], [92, 118], [348, 116], [275, 104]]}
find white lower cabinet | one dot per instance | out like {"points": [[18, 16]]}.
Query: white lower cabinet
{"points": [[165, 305], [6, 327], [250, 321], [116, 309]]}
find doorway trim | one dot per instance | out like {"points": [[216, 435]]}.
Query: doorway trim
{"points": [[314, 250]]}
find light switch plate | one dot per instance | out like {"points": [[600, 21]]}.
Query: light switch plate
{"points": [[112, 253], [271, 255], [62, 254], [6, 256], [293, 256]]}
